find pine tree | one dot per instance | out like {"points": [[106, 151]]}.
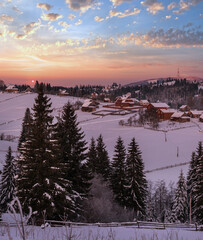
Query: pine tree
{"points": [[198, 186], [179, 211], [26, 128], [7, 185], [103, 164], [118, 172], [39, 180], [72, 147], [136, 183], [92, 157]]}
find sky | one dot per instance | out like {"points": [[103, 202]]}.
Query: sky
{"points": [[69, 42]]}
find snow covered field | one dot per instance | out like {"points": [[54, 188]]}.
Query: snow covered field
{"points": [[158, 149], [100, 233]]}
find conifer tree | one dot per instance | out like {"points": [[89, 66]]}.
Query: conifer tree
{"points": [[179, 210], [26, 127], [72, 147], [39, 180], [118, 166], [7, 184], [136, 183], [198, 186], [92, 157], [103, 164]]}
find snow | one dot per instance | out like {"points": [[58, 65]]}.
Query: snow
{"points": [[160, 105], [159, 148], [94, 232]]}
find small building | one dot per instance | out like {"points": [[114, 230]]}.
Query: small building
{"points": [[165, 114], [195, 113], [63, 93], [108, 100], [184, 108], [28, 90], [144, 103], [157, 106], [11, 89], [180, 117], [89, 106], [201, 118]]}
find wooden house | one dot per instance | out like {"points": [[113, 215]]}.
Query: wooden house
{"points": [[108, 100], [144, 103], [195, 113], [89, 105], [184, 108], [157, 106], [125, 101], [11, 89], [63, 93], [165, 114], [180, 117], [201, 118]]}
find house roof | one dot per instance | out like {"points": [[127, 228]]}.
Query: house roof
{"points": [[87, 103], [177, 115], [168, 110], [183, 106], [196, 112], [160, 105], [10, 87], [201, 116], [144, 101]]}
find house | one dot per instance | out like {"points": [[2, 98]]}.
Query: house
{"points": [[107, 100], [201, 118], [184, 108], [89, 105], [63, 93], [125, 101], [180, 117], [144, 103], [11, 89], [157, 106], [165, 114], [195, 113]]}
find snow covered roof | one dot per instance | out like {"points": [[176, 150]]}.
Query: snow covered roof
{"points": [[201, 116], [196, 112], [144, 101], [168, 110], [87, 103], [160, 105], [10, 87], [177, 115], [183, 106]]}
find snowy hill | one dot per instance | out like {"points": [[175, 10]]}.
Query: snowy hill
{"points": [[156, 151], [161, 80]]}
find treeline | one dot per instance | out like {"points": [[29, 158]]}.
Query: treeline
{"points": [[60, 178]]}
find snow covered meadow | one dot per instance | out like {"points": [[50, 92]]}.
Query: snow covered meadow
{"points": [[160, 149]]}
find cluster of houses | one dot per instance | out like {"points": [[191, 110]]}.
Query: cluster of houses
{"points": [[164, 112]]}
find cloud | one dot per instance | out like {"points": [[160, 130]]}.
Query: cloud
{"points": [[168, 17], [31, 27], [71, 16], [172, 5], [20, 36], [153, 6], [114, 13], [78, 22], [81, 5], [51, 16], [98, 19], [5, 17], [119, 2], [186, 5], [44, 6], [64, 24], [169, 38], [17, 10]]}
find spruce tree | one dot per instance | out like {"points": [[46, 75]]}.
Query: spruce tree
{"points": [[198, 186], [39, 181], [92, 157], [118, 166], [103, 163], [179, 210], [7, 185], [136, 183], [72, 147], [26, 128]]}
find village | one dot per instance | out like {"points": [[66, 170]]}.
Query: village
{"points": [[124, 105]]}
